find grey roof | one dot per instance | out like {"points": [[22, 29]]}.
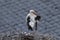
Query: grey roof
{"points": [[13, 13]]}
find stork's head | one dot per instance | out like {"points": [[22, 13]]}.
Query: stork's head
{"points": [[32, 11]]}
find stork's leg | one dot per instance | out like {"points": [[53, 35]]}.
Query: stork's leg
{"points": [[36, 26]]}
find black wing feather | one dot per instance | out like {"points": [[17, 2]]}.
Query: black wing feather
{"points": [[38, 18]]}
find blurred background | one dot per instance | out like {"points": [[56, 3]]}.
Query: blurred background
{"points": [[13, 14]]}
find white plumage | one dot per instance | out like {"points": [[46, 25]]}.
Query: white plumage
{"points": [[30, 19]]}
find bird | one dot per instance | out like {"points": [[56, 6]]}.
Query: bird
{"points": [[32, 18]]}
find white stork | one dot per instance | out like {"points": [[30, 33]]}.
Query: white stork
{"points": [[32, 20]]}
